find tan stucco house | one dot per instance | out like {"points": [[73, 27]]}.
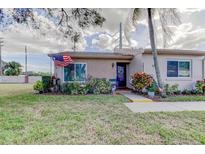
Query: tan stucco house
{"points": [[183, 67]]}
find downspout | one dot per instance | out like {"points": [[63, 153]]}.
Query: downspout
{"points": [[203, 71]]}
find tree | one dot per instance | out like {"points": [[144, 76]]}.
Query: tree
{"points": [[75, 39], [12, 68], [166, 17], [68, 22]]}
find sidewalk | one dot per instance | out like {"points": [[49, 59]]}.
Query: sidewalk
{"points": [[140, 104], [134, 97], [166, 106]]}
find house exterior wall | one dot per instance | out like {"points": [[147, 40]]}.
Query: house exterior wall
{"points": [[136, 65], [102, 68], [96, 68], [196, 69]]}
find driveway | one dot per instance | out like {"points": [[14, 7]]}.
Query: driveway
{"points": [[165, 106]]}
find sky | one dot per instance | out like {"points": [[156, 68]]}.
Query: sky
{"points": [[189, 34]]}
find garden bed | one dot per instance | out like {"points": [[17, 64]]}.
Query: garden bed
{"points": [[49, 85]]}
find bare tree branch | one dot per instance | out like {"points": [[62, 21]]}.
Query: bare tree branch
{"points": [[67, 21]]}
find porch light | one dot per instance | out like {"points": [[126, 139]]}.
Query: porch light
{"points": [[113, 65]]}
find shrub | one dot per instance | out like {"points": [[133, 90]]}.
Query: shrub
{"points": [[64, 88], [194, 91], [71, 88], [75, 88], [84, 89], [199, 86], [186, 92], [94, 86], [173, 89], [152, 87], [141, 80], [38, 86], [99, 86], [46, 83]]}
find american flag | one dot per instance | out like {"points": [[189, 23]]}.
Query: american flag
{"points": [[62, 61]]}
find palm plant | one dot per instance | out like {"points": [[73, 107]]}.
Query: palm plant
{"points": [[166, 17], [12, 68]]}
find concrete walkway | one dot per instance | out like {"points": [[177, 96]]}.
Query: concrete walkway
{"points": [[166, 106], [134, 97], [140, 104]]}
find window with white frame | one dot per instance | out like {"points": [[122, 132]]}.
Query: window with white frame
{"points": [[75, 72], [179, 68]]}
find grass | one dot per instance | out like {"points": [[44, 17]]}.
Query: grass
{"points": [[183, 98], [26, 118], [11, 89]]}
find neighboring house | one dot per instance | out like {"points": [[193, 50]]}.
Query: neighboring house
{"points": [[183, 67]]}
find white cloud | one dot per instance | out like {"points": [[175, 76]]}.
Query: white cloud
{"points": [[103, 41], [187, 35], [190, 39], [37, 68]]}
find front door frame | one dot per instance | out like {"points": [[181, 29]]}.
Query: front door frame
{"points": [[123, 85]]}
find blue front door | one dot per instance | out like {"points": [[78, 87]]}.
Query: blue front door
{"points": [[121, 75]]}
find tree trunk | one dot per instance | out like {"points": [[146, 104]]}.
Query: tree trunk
{"points": [[74, 46], [153, 47]]}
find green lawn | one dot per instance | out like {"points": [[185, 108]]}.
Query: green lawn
{"points": [[183, 98], [94, 119], [14, 89]]}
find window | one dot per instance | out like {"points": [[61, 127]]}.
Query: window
{"points": [[180, 68], [75, 72], [69, 73], [80, 72], [184, 69]]}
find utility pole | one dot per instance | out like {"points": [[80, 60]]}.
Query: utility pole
{"points": [[120, 40], [1, 44], [26, 71], [51, 66]]}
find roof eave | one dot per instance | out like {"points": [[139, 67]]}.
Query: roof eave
{"points": [[176, 52], [95, 55]]}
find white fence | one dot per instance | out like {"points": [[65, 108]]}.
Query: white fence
{"points": [[33, 79], [19, 79]]}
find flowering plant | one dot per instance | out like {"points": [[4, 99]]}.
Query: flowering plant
{"points": [[141, 80]]}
